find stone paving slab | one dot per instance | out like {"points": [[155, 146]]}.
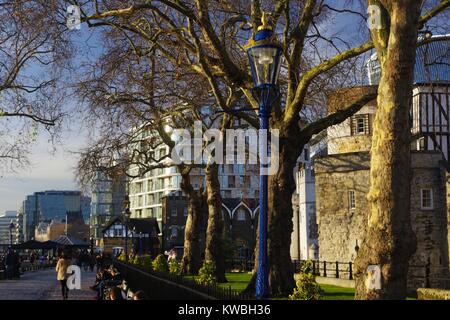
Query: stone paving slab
{"points": [[42, 285]]}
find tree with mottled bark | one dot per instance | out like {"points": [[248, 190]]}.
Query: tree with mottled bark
{"points": [[389, 240]]}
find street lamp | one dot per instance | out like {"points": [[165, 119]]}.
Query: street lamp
{"points": [[264, 55], [11, 228], [126, 215]]}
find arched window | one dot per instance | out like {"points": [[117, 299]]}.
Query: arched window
{"points": [[240, 214]]}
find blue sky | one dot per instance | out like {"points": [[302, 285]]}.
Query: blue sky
{"points": [[52, 166], [55, 170]]}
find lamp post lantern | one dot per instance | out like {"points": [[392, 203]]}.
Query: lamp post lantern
{"points": [[126, 216], [264, 55]]}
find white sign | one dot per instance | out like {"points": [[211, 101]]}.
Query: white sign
{"points": [[373, 277]]}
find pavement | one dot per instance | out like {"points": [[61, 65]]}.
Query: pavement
{"points": [[42, 285]]}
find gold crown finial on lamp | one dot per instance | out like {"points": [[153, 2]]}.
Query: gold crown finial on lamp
{"points": [[265, 23]]}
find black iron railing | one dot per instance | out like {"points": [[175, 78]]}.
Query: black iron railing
{"points": [[336, 269], [165, 286]]}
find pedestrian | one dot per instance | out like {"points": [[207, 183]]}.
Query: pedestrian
{"points": [[61, 269], [91, 262], [16, 263], [32, 260], [9, 262]]}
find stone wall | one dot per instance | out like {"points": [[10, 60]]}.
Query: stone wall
{"points": [[430, 225], [341, 228]]}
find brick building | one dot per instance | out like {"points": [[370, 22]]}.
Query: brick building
{"points": [[239, 216]]}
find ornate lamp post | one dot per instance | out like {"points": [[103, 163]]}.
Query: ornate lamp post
{"points": [[126, 216], [11, 228], [264, 55]]}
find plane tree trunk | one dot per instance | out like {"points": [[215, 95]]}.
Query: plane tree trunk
{"points": [[389, 240], [191, 261], [214, 250]]}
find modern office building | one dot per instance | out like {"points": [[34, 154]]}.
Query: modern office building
{"points": [[107, 195], [52, 205], [10, 225], [147, 192]]}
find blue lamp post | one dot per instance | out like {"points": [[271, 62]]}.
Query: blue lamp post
{"points": [[265, 55]]}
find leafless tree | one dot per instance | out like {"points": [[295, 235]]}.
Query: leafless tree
{"points": [[33, 53]]}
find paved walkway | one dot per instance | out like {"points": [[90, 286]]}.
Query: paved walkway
{"points": [[42, 285]]}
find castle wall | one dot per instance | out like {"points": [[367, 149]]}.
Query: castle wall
{"points": [[341, 228]]}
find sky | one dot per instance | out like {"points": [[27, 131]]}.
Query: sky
{"points": [[48, 171], [55, 170], [52, 165]]}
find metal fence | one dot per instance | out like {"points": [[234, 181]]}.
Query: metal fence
{"points": [[419, 276], [240, 265], [165, 286], [339, 270]]}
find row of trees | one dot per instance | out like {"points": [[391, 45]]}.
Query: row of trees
{"points": [[173, 62]]}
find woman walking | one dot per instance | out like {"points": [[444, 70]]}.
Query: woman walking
{"points": [[61, 269]]}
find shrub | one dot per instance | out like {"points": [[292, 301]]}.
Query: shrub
{"points": [[146, 261], [207, 273], [121, 257], [307, 287], [160, 264], [135, 260], [174, 267]]}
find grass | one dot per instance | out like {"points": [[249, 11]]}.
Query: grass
{"points": [[239, 281], [337, 293]]}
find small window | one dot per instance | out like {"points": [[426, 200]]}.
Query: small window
{"points": [[174, 212], [351, 199], [241, 215], [421, 144], [173, 232], [360, 126], [426, 199]]}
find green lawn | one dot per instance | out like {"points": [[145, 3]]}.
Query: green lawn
{"points": [[337, 293], [239, 281]]}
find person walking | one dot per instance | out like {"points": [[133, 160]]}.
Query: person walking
{"points": [[61, 269], [9, 262], [91, 262]]}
